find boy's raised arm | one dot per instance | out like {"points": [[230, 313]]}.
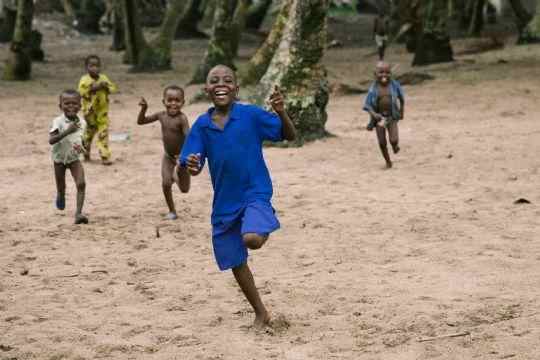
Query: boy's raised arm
{"points": [[288, 131], [142, 118]]}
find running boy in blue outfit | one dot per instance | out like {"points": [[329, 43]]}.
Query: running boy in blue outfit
{"points": [[230, 137], [385, 103]]}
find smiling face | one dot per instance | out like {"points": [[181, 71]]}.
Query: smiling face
{"points": [[383, 73], [221, 86], [173, 99], [70, 104]]}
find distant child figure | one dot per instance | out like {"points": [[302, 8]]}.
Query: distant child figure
{"points": [[174, 129], [385, 103], [95, 88], [65, 136], [380, 33], [230, 136]]}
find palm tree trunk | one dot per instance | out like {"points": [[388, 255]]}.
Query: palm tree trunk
{"points": [[19, 63], [219, 47], [297, 69], [238, 25], [258, 64]]}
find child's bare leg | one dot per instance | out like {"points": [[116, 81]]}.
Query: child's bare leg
{"points": [[167, 168], [77, 172], [381, 138], [393, 134], [182, 178], [244, 277], [254, 241], [60, 177]]}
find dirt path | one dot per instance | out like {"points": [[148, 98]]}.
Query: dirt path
{"points": [[368, 260]]}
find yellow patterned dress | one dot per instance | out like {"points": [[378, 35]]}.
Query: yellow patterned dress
{"points": [[95, 107]]}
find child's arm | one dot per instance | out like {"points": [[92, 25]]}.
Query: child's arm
{"points": [[401, 99], [55, 135], [142, 118], [85, 87], [193, 152], [107, 84], [288, 131], [369, 104], [185, 126]]}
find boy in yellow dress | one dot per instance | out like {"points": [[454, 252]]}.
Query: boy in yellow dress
{"points": [[95, 88]]}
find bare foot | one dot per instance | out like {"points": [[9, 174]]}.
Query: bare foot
{"points": [[261, 321], [395, 148], [389, 165], [81, 219]]}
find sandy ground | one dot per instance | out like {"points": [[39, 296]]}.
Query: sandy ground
{"points": [[368, 262]]}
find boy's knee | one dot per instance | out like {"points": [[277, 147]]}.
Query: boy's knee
{"points": [[254, 241]]}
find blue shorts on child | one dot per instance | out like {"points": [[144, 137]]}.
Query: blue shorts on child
{"points": [[257, 217]]}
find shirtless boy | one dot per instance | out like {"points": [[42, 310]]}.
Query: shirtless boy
{"points": [[174, 129]]}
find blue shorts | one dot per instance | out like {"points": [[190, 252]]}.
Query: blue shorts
{"points": [[257, 217]]}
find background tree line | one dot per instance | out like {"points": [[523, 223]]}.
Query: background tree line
{"points": [[290, 56]]}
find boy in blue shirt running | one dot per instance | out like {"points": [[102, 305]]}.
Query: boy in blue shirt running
{"points": [[385, 103], [230, 137]]}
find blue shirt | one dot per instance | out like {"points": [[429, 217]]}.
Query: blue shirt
{"points": [[235, 159], [396, 92]]}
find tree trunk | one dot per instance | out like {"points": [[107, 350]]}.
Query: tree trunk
{"points": [[258, 64], [298, 71], [257, 13], [152, 12], [477, 18], [219, 47], [162, 45], [534, 25], [69, 11], [19, 64], [118, 37], [523, 18], [433, 42], [143, 56], [238, 25], [7, 26], [192, 15], [88, 16]]}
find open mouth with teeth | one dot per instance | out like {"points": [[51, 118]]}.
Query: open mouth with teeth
{"points": [[221, 94]]}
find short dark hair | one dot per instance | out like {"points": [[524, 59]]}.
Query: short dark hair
{"points": [[90, 57], [69, 92], [173, 87]]}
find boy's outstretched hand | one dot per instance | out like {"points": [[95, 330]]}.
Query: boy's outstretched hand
{"points": [[143, 104], [277, 100], [193, 163]]}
